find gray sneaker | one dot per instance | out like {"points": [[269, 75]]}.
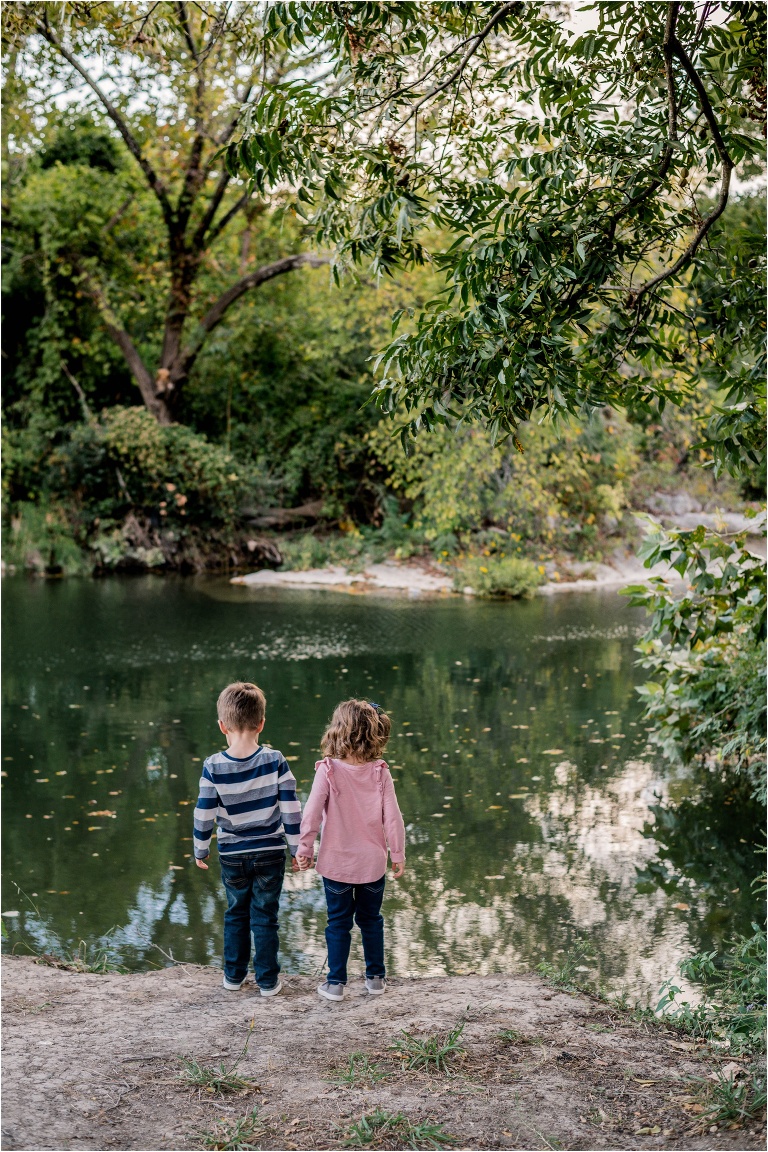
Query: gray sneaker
{"points": [[273, 991], [376, 985], [232, 987], [331, 991]]}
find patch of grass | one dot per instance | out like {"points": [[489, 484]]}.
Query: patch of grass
{"points": [[732, 1100], [232, 1135], [565, 974], [98, 963], [360, 1071], [433, 1053], [512, 1036], [382, 1129], [493, 576], [219, 1080]]}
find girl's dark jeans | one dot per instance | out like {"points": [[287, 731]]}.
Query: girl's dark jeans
{"points": [[361, 903], [253, 883]]}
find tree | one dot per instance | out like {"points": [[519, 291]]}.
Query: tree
{"points": [[171, 80], [579, 175]]}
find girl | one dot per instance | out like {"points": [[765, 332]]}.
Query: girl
{"points": [[354, 797]]}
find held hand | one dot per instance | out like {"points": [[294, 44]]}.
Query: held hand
{"points": [[398, 867], [294, 865], [201, 864], [305, 862]]}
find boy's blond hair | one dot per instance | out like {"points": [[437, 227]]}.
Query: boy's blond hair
{"points": [[241, 707], [357, 729]]}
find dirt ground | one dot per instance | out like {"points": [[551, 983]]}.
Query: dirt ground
{"points": [[93, 1062]]}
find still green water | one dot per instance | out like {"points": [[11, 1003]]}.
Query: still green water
{"points": [[518, 752]]}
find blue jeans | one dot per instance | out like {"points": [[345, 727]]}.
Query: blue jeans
{"points": [[253, 883], [361, 903]]}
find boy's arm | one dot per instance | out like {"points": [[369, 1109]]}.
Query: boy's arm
{"points": [[290, 807], [205, 814], [394, 827], [313, 815]]}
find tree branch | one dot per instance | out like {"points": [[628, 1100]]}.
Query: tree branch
{"points": [[236, 207], [475, 43], [131, 143], [687, 255], [213, 204], [131, 354], [216, 312]]}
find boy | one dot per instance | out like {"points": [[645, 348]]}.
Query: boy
{"points": [[250, 793]]}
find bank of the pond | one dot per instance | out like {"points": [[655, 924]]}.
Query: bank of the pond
{"points": [[93, 1062], [425, 578]]}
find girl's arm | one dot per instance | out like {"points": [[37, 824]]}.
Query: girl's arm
{"points": [[313, 815], [394, 828]]}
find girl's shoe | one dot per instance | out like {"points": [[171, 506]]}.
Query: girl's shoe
{"points": [[376, 985], [271, 991], [233, 987], [331, 991]]}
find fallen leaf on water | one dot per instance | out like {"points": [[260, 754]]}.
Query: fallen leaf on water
{"points": [[95, 828], [292, 757], [501, 877], [104, 812], [552, 752], [518, 796], [148, 820], [493, 808], [682, 907]]}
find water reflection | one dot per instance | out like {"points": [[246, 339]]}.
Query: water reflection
{"points": [[517, 749]]}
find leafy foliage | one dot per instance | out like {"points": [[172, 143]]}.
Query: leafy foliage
{"points": [[734, 1004], [494, 576], [706, 651], [432, 1053], [571, 171]]}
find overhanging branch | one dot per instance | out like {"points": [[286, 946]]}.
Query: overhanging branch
{"points": [[217, 311], [131, 143]]}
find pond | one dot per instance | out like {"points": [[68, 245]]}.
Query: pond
{"points": [[518, 750]]}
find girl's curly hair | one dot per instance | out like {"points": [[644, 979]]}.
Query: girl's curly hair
{"points": [[358, 730]]}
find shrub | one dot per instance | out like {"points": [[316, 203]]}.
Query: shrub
{"points": [[496, 576]]}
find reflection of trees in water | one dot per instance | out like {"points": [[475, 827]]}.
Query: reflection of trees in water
{"points": [[567, 851]]}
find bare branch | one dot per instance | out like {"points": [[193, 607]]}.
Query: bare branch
{"points": [[221, 225], [131, 143], [216, 312], [181, 8], [118, 215]]}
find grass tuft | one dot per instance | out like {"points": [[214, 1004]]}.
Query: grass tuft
{"points": [[219, 1080], [433, 1053], [565, 974], [233, 1135], [359, 1072], [98, 963], [732, 1100], [382, 1129]]}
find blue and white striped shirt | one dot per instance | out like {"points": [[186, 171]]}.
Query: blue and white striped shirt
{"points": [[251, 800]]}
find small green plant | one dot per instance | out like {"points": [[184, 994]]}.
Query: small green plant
{"points": [[233, 1135], [98, 963], [734, 1004], [359, 1071], [433, 1053], [496, 576], [382, 1129], [565, 974], [735, 1100], [219, 1080]]}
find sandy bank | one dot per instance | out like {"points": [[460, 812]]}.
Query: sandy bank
{"points": [[91, 1062], [416, 579]]}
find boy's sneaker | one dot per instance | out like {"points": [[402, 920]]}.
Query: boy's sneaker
{"points": [[271, 991], [376, 985], [331, 991], [233, 987]]}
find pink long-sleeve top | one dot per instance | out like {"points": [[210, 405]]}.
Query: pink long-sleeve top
{"points": [[356, 806]]}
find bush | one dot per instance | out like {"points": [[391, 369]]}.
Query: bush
{"points": [[494, 576]]}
